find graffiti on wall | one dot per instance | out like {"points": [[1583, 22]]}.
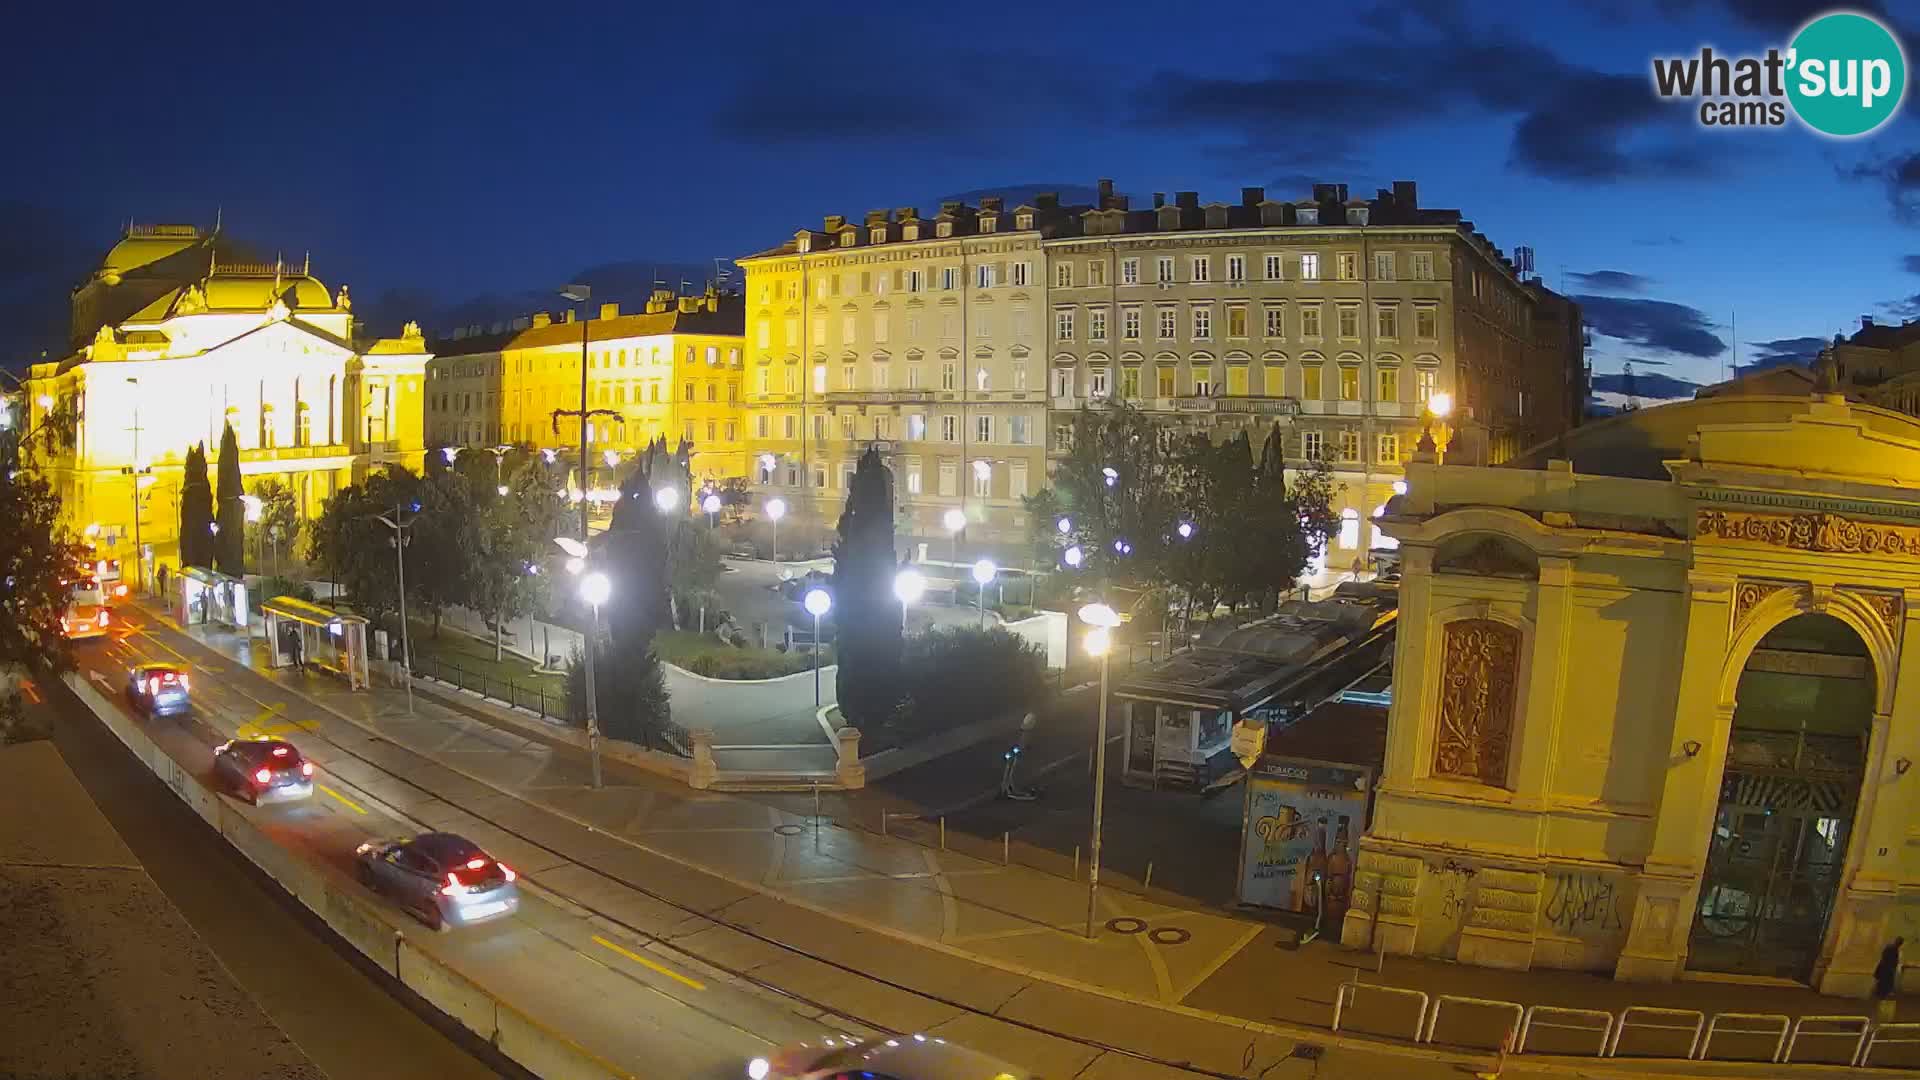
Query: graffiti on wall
{"points": [[1445, 895], [1584, 904]]}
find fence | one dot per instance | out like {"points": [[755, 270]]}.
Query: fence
{"points": [[547, 702]]}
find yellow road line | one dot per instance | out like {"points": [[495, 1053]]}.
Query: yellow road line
{"points": [[344, 801], [646, 963]]}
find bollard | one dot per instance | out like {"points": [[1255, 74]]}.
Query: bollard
{"points": [[1006, 858], [883, 822], [943, 832], [816, 806], [1148, 884], [1076, 862]]}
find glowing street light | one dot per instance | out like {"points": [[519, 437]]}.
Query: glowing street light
{"points": [[611, 457], [1440, 405], [666, 499], [1064, 525], [983, 572], [1112, 475], [449, 453], [1074, 556], [908, 586], [818, 602], [955, 520], [1099, 643], [254, 507], [501, 490], [595, 588], [776, 509], [550, 455], [1399, 487], [45, 401], [1185, 530]]}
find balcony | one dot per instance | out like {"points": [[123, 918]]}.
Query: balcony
{"points": [[291, 453], [1261, 406], [1195, 403]]}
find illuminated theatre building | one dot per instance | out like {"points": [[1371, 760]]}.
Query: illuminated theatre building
{"points": [[172, 340], [1654, 710]]}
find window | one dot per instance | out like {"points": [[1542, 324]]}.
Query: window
{"points": [[949, 376], [1203, 382], [1422, 265], [1202, 324], [916, 280], [881, 325], [686, 431], [1349, 444], [763, 381], [763, 333], [713, 392], [1389, 449], [1423, 384], [820, 476], [1383, 266], [1276, 322], [1130, 324], [712, 431], [949, 478], [819, 378], [688, 391], [1129, 271], [949, 277], [1386, 323], [1310, 267], [1426, 323], [916, 427], [1348, 266], [1096, 273], [1063, 325], [1312, 445], [760, 426], [846, 426], [913, 375], [1168, 323], [1020, 375], [1097, 383], [1273, 379], [820, 428], [949, 325], [1349, 528], [1021, 272], [1236, 380], [1388, 380], [989, 224], [791, 426], [1236, 322], [983, 276], [1020, 323], [881, 378], [982, 378], [1272, 268], [1236, 268], [1097, 324], [1202, 268], [849, 330], [983, 428], [849, 376], [983, 324], [1020, 430], [949, 428], [1310, 379], [1017, 481], [1130, 382], [1063, 275], [1349, 382], [1163, 268], [982, 479], [1163, 381], [1349, 316], [789, 378]]}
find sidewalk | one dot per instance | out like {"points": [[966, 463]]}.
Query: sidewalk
{"points": [[1007, 938]]}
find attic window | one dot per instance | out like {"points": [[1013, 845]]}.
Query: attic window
{"points": [[1356, 215], [988, 223], [805, 243], [1309, 215], [879, 236], [849, 238], [945, 228], [1023, 222], [910, 232]]}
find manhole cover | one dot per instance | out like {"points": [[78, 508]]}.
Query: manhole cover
{"points": [[1169, 935], [1126, 924], [787, 830]]}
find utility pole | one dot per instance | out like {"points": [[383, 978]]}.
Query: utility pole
{"points": [[400, 540], [139, 560], [580, 294]]}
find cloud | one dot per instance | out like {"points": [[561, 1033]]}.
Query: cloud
{"points": [[1911, 264], [626, 283], [1660, 325], [1899, 176], [1795, 350], [1907, 307], [1618, 281], [1572, 122]]}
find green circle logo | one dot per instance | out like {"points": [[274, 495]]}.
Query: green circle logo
{"points": [[1847, 74]]}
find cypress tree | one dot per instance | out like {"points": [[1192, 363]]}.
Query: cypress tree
{"points": [[229, 543], [196, 511], [866, 612]]}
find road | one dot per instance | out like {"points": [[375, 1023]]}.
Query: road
{"points": [[570, 971]]}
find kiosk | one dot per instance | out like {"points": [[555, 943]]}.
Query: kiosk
{"points": [[307, 635]]}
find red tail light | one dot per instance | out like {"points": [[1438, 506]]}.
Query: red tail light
{"points": [[508, 870], [306, 768], [263, 776]]}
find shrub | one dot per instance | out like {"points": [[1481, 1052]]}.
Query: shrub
{"points": [[285, 586], [631, 697], [705, 655], [959, 674]]}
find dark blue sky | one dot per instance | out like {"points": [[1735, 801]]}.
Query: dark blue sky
{"points": [[429, 157]]}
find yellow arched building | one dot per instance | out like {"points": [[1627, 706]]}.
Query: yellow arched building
{"points": [[1653, 709], [172, 340]]}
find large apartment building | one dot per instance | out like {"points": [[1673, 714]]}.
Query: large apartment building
{"points": [[962, 345], [673, 369]]}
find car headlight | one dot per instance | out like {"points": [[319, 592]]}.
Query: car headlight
{"points": [[758, 1068]]}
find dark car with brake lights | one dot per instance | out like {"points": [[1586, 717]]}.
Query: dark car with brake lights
{"points": [[262, 770], [158, 689], [444, 879], [887, 1057]]}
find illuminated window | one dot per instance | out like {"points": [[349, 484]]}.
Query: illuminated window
{"points": [[1389, 449], [1236, 380], [819, 378], [1349, 528], [1310, 378], [1236, 322], [1163, 381], [1310, 266], [1203, 382], [1423, 384], [1349, 382], [1348, 267], [1130, 382]]}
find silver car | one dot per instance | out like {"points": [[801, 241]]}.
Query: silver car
{"points": [[889, 1057], [444, 879], [262, 770]]}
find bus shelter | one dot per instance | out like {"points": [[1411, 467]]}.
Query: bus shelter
{"points": [[211, 598], [302, 634]]}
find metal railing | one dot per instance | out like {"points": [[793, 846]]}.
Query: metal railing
{"points": [[547, 702]]}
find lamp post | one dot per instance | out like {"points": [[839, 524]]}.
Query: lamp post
{"points": [[137, 470], [776, 509], [983, 572], [955, 521], [666, 498], [908, 585], [711, 504], [818, 602], [594, 589], [1099, 643], [252, 511], [1439, 407], [400, 524]]}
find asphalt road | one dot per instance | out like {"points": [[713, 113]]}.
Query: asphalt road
{"points": [[348, 1017], [572, 973]]}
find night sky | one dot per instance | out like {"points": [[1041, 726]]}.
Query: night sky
{"points": [[460, 158]]}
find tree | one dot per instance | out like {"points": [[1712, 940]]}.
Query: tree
{"points": [[279, 519], [196, 511], [867, 614], [695, 567], [355, 549], [37, 561], [515, 531], [1122, 521], [230, 512]]}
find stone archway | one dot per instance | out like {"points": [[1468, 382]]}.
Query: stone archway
{"points": [[1803, 716]]}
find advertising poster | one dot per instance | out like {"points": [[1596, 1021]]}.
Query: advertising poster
{"points": [[1302, 818]]}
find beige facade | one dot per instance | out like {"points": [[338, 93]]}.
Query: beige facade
{"points": [[922, 336], [1652, 709]]}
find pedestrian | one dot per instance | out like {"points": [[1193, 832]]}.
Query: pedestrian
{"points": [[162, 575], [1886, 979]]}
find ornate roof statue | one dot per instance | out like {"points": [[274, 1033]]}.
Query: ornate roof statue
{"points": [[343, 301], [191, 300], [411, 330]]}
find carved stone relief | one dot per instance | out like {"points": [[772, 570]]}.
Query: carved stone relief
{"points": [[1478, 680], [1809, 532]]}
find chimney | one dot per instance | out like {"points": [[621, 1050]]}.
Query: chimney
{"points": [[833, 223], [952, 207], [610, 311], [1159, 199], [907, 213], [991, 204], [1187, 200], [541, 318], [1252, 196], [1406, 194], [1106, 191], [1046, 200], [568, 316]]}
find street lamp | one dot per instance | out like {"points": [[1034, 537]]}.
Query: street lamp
{"points": [[1185, 530], [711, 504], [1439, 407], [908, 585], [776, 509], [983, 572], [666, 498], [1111, 474], [1074, 556], [1064, 525], [955, 520], [1099, 643], [400, 524], [818, 602], [594, 589]]}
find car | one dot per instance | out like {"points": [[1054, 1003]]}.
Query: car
{"points": [[158, 689], [86, 615], [889, 1057], [263, 770], [444, 879]]}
